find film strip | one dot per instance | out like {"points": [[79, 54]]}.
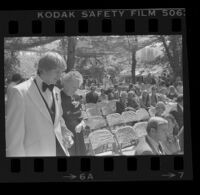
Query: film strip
{"points": [[96, 23]]}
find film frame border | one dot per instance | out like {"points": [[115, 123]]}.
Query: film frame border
{"points": [[84, 168]]}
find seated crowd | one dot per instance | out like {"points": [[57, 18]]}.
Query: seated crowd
{"points": [[165, 123]]}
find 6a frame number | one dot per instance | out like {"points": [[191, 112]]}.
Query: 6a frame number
{"points": [[86, 176]]}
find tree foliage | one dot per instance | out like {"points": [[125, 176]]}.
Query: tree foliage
{"points": [[95, 56]]}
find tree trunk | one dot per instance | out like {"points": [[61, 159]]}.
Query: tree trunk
{"points": [[169, 55], [133, 65], [71, 53], [176, 56], [134, 62]]}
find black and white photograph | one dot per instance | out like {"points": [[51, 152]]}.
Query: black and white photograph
{"points": [[93, 95]]}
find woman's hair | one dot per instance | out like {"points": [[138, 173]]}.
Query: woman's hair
{"points": [[171, 87], [123, 93], [145, 92], [153, 88], [179, 83], [179, 99], [71, 76], [131, 93], [50, 61], [160, 105]]}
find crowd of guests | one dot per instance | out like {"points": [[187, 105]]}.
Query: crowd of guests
{"points": [[22, 108], [157, 97]]}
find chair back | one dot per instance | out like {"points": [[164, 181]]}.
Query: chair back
{"points": [[96, 122], [101, 139], [89, 105], [129, 116], [93, 112], [114, 119], [125, 135], [142, 114]]}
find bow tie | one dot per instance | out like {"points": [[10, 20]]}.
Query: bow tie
{"points": [[45, 86]]}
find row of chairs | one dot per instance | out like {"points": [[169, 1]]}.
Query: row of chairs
{"points": [[116, 119], [106, 108], [114, 130], [120, 142], [100, 109]]}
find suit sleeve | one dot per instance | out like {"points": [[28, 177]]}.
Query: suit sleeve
{"points": [[15, 127]]}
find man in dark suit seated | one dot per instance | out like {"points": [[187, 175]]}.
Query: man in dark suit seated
{"points": [[132, 103], [178, 112], [121, 104], [157, 133], [92, 96]]}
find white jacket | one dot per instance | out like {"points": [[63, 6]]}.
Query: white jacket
{"points": [[29, 128]]}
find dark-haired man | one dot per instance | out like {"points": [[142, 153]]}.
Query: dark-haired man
{"points": [[92, 96]]}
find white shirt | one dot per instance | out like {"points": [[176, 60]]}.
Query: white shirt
{"points": [[46, 94], [155, 144]]}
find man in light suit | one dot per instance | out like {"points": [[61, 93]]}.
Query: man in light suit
{"points": [[34, 126], [157, 133]]}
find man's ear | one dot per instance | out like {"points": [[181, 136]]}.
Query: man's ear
{"points": [[153, 131]]}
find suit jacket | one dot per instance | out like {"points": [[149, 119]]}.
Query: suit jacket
{"points": [[145, 147], [29, 127], [92, 97], [120, 106]]}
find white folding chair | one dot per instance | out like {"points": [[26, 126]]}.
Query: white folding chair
{"points": [[101, 139], [140, 129], [112, 105], [142, 114], [114, 119], [102, 104], [126, 139], [129, 116], [93, 112], [106, 110], [89, 105], [96, 122]]}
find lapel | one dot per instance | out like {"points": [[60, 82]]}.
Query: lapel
{"points": [[37, 99], [57, 109], [154, 150]]}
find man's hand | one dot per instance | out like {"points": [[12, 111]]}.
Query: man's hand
{"points": [[68, 142], [67, 137], [80, 127], [66, 132]]}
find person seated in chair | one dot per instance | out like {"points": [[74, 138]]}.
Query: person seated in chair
{"points": [[150, 144], [103, 96], [172, 93], [179, 87], [177, 113], [156, 142], [153, 97], [132, 101], [160, 108], [122, 103], [145, 100], [92, 96]]}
